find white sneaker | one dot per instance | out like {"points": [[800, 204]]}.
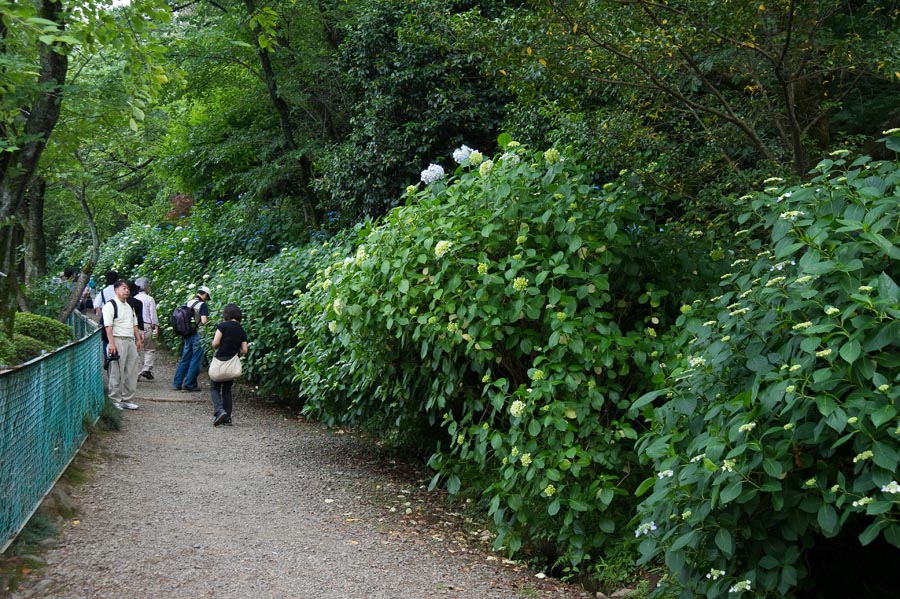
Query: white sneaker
{"points": [[129, 406], [117, 405]]}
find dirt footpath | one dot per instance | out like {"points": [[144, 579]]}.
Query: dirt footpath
{"points": [[273, 507]]}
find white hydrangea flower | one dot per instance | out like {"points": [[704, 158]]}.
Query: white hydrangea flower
{"points": [[461, 154], [434, 172]]}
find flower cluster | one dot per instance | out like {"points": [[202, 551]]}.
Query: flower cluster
{"points": [[892, 487], [743, 585], [441, 248], [520, 284], [645, 528], [517, 408], [434, 172]]}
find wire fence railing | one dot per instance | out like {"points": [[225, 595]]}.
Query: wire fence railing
{"points": [[46, 408]]}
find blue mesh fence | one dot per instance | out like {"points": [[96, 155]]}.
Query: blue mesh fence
{"points": [[44, 404]]}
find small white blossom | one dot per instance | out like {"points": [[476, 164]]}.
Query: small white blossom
{"points": [[714, 574], [666, 474], [892, 487], [743, 585], [645, 529]]}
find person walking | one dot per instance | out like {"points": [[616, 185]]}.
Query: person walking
{"points": [[107, 293], [151, 327], [191, 353], [125, 342], [230, 340]]}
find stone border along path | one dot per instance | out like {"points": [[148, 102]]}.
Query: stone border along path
{"points": [[273, 507]]}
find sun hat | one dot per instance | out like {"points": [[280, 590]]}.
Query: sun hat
{"points": [[204, 289]]}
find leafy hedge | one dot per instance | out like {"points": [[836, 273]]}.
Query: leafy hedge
{"points": [[508, 316], [47, 330], [778, 427], [33, 335]]}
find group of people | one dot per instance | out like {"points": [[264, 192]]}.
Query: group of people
{"points": [[130, 321], [128, 314]]}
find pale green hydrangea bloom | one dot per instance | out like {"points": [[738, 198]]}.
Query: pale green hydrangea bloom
{"points": [[865, 455], [526, 459], [482, 268], [442, 247], [550, 490], [517, 408], [520, 284]]}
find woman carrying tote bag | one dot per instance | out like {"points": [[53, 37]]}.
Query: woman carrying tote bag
{"points": [[230, 342]]}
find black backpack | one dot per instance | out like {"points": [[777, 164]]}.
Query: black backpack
{"points": [[103, 301], [183, 320]]}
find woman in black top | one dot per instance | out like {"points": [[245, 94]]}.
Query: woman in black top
{"points": [[230, 339]]}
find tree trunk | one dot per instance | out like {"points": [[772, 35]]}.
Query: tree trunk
{"points": [[21, 165], [284, 115], [32, 221], [88, 268]]}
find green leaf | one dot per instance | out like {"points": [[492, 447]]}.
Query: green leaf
{"points": [[453, 484], [828, 521], [725, 542], [731, 492], [850, 351], [404, 286], [884, 415], [885, 456], [553, 508], [871, 532]]}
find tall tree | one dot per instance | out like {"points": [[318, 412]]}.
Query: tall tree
{"points": [[760, 79], [37, 40]]}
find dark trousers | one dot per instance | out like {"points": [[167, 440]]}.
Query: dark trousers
{"points": [[221, 396]]}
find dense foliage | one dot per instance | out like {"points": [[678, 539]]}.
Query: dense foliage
{"points": [[780, 412], [668, 242]]}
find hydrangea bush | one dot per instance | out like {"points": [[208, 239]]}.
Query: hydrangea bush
{"points": [[778, 427], [510, 310]]}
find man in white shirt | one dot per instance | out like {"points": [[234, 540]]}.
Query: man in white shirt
{"points": [[124, 344], [151, 326], [107, 293]]}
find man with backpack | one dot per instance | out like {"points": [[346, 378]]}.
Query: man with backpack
{"points": [[124, 343], [192, 354]]}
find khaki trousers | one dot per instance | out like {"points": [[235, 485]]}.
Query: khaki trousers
{"points": [[123, 373]]}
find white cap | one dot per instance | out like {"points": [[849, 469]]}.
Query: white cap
{"points": [[204, 289]]}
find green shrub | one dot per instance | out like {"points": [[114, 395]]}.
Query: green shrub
{"points": [[513, 313], [7, 352], [779, 428], [48, 330], [27, 348]]}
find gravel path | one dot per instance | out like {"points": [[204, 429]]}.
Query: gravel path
{"points": [[273, 507]]}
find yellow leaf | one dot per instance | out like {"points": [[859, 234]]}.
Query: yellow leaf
{"points": [[575, 28], [502, 72], [528, 50], [570, 413], [762, 7], [897, 74], [542, 61]]}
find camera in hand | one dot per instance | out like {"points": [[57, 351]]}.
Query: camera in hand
{"points": [[113, 356]]}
